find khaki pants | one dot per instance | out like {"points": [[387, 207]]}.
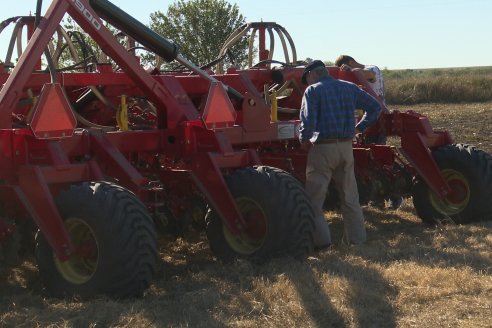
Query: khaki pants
{"points": [[327, 161]]}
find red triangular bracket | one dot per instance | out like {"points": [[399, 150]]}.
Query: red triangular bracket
{"points": [[53, 116], [218, 111]]}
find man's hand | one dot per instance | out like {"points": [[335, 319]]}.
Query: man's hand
{"points": [[359, 138], [345, 67], [306, 145]]}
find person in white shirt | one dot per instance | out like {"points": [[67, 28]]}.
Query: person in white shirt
{"points": [[372, 73]]}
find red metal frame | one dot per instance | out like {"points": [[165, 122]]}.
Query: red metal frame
{"points": [[200, 134], [36, 166]]}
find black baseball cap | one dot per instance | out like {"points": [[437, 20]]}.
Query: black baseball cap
{"points": [[315, 64]]}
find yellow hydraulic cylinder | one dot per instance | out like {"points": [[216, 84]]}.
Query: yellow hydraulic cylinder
{"points": [[122, 114], [273, 101]]}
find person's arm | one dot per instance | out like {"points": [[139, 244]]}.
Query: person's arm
{"points": [[371, 108], [308, 116], [368, 73]]}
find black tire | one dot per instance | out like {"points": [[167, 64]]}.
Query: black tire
{"points": [[121, 237], [469, 172], [278, 210]]}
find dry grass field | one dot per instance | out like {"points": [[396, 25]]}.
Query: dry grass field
{"points": [[439, 85], [406, 275]]}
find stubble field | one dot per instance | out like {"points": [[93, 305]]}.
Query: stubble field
{"points": [[406, 275]]}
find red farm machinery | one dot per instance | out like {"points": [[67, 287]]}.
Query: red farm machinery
{"points": [[93, 160]]}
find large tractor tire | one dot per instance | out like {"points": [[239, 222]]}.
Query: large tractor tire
{"points": [[115, 242], [278, 214], [468, 172]]}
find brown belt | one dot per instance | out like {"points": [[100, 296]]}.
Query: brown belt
{"points": [[330, 141]]}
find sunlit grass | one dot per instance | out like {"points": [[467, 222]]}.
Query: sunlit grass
{"points": [[439, 86]]}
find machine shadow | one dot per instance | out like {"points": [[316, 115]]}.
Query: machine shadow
{"points": [[368, 294], [395, 235], [202, 278]]}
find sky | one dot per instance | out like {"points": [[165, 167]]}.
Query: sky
{"points": [[392, 34]]}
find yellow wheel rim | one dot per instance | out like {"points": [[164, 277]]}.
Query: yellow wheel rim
{"points": [[250, 239], [81, 265], [459, 197]]}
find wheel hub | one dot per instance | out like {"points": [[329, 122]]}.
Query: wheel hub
{"points": [[252, 237], [81, 265], [459, 197]]}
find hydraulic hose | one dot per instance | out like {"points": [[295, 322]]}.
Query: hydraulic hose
{"points": [[49, 59], [149, 39], [138, 31]]}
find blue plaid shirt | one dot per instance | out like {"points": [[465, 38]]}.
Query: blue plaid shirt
{"points": [[327, 110]]}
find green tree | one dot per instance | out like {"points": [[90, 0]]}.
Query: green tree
{"points": [[200, 27]]}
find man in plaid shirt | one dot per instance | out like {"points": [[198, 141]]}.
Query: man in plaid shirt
{"points": [[327, 130]]}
